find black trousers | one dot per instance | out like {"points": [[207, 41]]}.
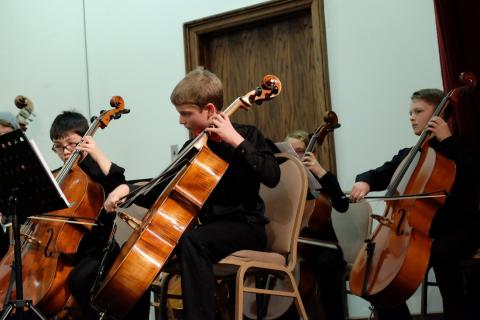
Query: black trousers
{"points": [[4, 242], [448, 250], [321, 283], [330, 271], [82, 278], [203, 246]]}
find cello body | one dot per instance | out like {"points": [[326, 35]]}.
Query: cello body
{"points": [[149, 247], [48, 247], [401, 251]]}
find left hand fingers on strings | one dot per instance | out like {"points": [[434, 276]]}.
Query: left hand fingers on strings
{"points": [[436, 121], [220, 117]]}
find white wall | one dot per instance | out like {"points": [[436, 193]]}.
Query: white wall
{"points": [[42, 56], [379, 52]]}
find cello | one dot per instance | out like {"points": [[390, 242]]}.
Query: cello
{"points": [[50, 241], [316, 223], [318, 218], [153, 240], [393, 261]]}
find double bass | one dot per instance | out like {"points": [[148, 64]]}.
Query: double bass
{"points": [[51, 240], [393, 261], [196, 170]]}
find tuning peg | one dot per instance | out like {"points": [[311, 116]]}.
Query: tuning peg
{"points": [[93, 118], [259, 102], [258, 91], [117, 116], [102, 111], [21, 101], [125, 111], [274, 89]]}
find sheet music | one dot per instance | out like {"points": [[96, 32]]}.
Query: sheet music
{"points": [[286, 147], [47, 169]]}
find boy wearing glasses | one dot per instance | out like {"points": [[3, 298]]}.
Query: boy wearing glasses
{"points": [[67, 134]]}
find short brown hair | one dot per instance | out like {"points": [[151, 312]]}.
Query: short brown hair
{"points": [[431, 96], [198, 87]]}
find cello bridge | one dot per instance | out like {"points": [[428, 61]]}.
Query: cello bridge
{"points": [[30, 239], [384, 221], [129, 220]]}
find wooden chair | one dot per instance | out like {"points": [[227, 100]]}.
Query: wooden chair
{"points": [[284, 208]]}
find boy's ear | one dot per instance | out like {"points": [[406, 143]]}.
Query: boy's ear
{"points": [[211, 108]]}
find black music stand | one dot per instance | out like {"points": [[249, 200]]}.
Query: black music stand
{"points": [[27, 188]]}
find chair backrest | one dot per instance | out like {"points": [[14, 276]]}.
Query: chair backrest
{"points": [[284, 205], [352, 228]]}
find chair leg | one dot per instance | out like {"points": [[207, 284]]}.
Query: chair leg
{"points": [[298, 300], [424, 297], [345, 296], [162, 308], [239, 298], [261, 282]]}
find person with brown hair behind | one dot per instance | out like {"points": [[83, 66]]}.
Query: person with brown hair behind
{"points": [[328, 264], [232, 218], [455, 226]]}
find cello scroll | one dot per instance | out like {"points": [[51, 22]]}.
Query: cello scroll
{"points": [[25, 115]]}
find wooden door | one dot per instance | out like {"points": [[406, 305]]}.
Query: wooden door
{"points": [[284, 38]]}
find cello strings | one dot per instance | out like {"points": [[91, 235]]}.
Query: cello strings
{"points": [[131, 196]]}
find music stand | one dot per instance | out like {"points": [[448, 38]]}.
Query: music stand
{"points": [[28, 188]]}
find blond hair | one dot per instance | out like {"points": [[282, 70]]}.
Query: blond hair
{"points": [[299, 135], [198, 87]]}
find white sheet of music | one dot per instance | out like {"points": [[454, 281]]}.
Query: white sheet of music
{"points": [[47, 169]]}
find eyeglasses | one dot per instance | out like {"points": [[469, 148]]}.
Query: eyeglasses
{"points": [[58, 148]]}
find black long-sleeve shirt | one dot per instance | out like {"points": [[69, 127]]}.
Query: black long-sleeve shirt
{"points": [[331, 188], [94, 241], [236, 196], [460, 203]]}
